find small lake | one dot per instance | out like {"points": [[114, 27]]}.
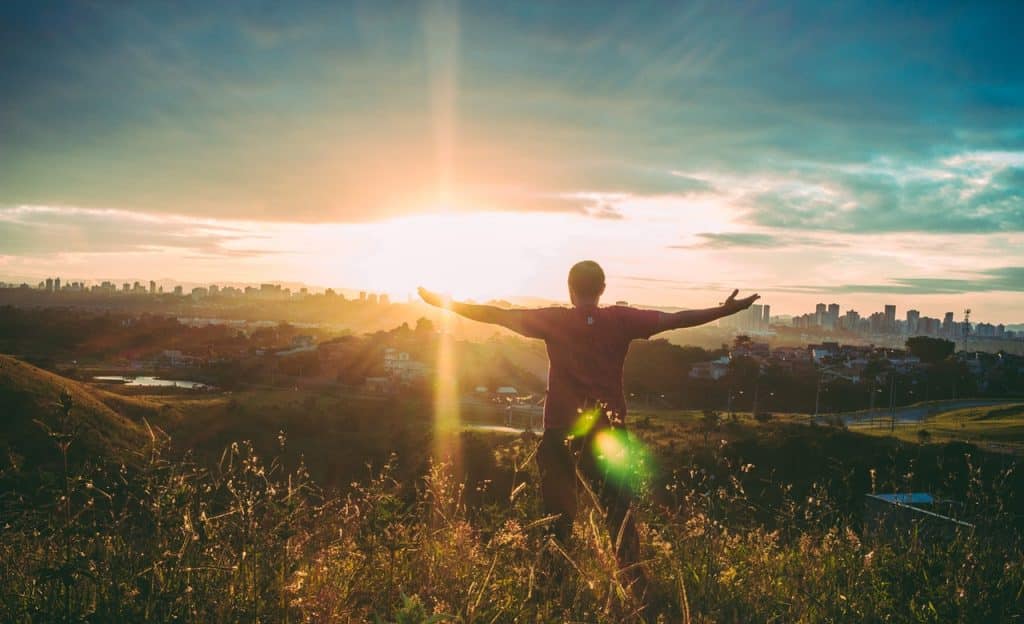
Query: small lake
{"points": [[151, 382]]}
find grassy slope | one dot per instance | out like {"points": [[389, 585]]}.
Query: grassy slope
{"points": [[104, 423], [990, 424]]}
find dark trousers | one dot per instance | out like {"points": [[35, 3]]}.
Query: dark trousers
{"points": [[558, 459]]}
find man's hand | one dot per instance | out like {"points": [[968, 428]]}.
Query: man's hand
{"points": [[434, 298], [733, 305]]}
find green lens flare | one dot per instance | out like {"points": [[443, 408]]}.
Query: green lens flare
{"points": [[584, 423], [623, 457]]}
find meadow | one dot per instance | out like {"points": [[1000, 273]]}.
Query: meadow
{"points": [[354, 520]]}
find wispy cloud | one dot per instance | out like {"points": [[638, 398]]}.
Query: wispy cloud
{"points": [[1003, 279], [48, 230], [756, 240]]}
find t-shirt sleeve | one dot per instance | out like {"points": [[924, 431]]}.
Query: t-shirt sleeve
{"points": [[639, 323], [534, 323]]}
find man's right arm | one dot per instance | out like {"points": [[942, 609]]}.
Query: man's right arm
{"points": [[516, 320]]}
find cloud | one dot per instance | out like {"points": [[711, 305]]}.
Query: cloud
{"points": [[325, 114], [755, 240], [984, 193], [47, 230], [1002, 279]]}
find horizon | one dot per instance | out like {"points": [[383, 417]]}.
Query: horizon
{"points": [[167, 285], [483, 149]]}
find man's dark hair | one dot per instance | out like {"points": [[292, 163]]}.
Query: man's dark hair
{"points": [[586, 279]]}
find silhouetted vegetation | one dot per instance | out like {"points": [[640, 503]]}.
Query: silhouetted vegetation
{"points": [[740, 522]]}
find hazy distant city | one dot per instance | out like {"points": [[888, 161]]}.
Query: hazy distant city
{"points": [[880, 323], [883, 325]]}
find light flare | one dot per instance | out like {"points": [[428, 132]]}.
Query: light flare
{"points": [[447, 421], [623, 458]]}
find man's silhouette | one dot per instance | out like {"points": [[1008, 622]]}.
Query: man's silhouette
{"points": [[587, 347]]}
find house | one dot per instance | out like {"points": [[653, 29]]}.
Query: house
{"points": [[714, 370], [377, 385], [400, 366], [507, 391]]}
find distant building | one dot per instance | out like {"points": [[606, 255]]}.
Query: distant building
{"points": [[400, 366], [851, 320], [377, 385], [890, 318], [152, 287], [913, 322], [714, 370], [178, 290], [753, 320], [833, 315], [49, 284], [56, 284]]}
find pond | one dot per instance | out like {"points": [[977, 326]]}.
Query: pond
{"points": [[152, 382]]}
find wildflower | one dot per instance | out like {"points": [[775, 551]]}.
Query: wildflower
{"points": [[510, 534], [852, 538], [727, 576]]}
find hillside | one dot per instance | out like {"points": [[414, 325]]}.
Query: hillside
{"points": [[104, 424]]}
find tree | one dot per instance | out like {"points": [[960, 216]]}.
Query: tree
{"points": [[930, 350]]}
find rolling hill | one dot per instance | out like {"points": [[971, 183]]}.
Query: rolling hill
{"points": [[103, 424]]}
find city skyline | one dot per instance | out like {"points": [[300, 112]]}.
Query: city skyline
{"points": [[830, 316], [483, 149]]}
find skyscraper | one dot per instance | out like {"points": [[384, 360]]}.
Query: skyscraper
{"points": [[947, 324], [820, 311], [49, 284], [754, 318], [833, 315], [890, 318], [766, 315], [913, 322]]}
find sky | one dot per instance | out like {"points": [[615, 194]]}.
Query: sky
{"points": [[858, 152]]}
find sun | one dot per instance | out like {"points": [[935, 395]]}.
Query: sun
{"points": [[478, 256]]}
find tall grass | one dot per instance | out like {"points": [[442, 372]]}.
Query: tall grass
{"points": [[251, 540]]}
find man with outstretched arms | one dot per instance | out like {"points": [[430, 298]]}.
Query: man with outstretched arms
{"points": [[587, 346]]}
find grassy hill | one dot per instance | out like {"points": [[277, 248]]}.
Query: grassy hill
{"points": [[994, 427], [104, 424], [740, 521]]}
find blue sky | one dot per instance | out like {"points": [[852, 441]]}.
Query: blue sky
{"points": [[862, 150]]}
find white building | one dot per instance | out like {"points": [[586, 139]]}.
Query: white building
{"points": [[400, 366]]}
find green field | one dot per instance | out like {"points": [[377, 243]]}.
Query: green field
{"points": [[997, 426]]}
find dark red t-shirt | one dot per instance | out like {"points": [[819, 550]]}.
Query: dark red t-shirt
{"points": [[587, 348]]}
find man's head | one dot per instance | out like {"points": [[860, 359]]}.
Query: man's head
{"points": [[586, 283]]}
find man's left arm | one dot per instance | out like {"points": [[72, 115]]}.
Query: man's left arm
{"points": [[693, 318]]}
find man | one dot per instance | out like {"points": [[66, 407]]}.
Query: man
{"points": [[587, 347]]}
